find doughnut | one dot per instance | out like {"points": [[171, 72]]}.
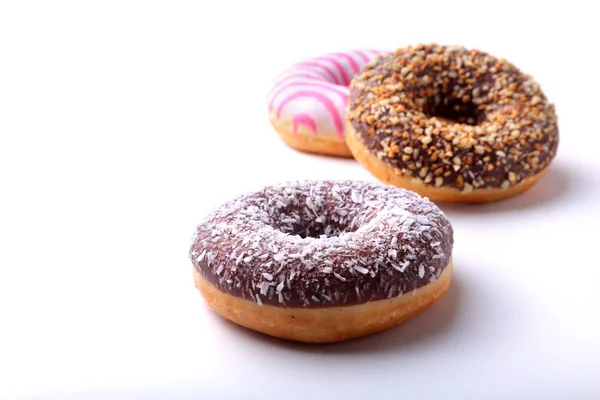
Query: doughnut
{"points": [[307, 102], [452, 124], [323, 261]]}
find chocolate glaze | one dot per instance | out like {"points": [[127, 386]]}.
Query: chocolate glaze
{"points": [[323, 244], [468, 119]]}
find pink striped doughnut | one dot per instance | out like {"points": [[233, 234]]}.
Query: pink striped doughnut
{"points": [[307, 103]]}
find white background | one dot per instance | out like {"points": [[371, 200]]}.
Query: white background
{"points": [[122, 123]]}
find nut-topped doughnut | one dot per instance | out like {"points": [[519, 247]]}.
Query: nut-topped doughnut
{"points": [[323, 261], [451, 124]]}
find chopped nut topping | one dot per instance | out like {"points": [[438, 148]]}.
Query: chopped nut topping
{"points": [[454, 113]]}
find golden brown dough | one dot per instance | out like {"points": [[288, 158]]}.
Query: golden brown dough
{"points": [[324, 325]]}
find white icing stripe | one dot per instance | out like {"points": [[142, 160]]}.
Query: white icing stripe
{"points": [[339, 93]]}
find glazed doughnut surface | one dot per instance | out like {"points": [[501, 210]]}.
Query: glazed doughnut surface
{"points": [[307, 103], [315, 244]]}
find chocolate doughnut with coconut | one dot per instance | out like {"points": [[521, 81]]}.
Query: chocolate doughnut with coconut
{"points": [[323, 261]]}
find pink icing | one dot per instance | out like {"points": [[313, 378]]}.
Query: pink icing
{"points": [[324, 100], [304, 119], [340, 68], [299, 75], [351, 61], [341, 91], [324, 80], [332, 76], [362, 55], [317, 74]]}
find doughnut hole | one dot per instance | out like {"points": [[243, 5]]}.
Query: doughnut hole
{"points": [[317, 218], [316, 231], [447, 107], [437, 91]]}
